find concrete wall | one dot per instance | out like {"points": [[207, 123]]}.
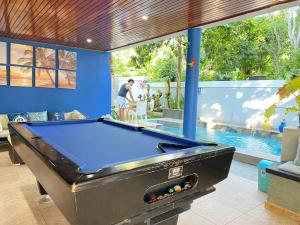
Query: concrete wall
{"points": [[240, 103]]}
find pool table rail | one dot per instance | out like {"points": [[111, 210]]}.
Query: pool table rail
{"points": [[115, 195], [72, 173]]}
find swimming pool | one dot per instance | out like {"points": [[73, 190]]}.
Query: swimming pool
{"points": [[243, 142]]}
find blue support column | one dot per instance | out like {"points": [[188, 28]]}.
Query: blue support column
{"points": [[191, 83]]}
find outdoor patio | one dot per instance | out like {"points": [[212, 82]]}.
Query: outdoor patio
{"points": [[129, 112], [236, 201]]}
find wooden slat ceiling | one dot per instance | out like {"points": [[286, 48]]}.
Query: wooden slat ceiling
{"points": [[113, 24]]}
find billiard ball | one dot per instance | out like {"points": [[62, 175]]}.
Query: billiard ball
{"points": [[160, 197], [171, 190], [186, 182], [187, 186], [177, 188]]}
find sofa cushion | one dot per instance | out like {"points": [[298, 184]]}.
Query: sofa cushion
{"points": [[290, 167], [4, 121], [18, 117], [54, 116], [37, 116], [74, 115], [4, 133], [297, 158]]}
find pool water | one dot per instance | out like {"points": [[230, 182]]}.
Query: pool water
{"points": [[242, 142]]}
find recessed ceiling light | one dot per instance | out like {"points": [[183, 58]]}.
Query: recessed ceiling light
{"points": [[89, 40], [144, 17]]}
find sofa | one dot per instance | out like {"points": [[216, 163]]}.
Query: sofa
{"points": [[31, 116], [4, 133], [284, 189]]}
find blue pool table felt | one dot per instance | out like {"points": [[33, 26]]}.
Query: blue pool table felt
{"points": [[95, 145]]}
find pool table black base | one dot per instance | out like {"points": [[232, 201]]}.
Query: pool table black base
{"points": [[169, 221], [164, 218], [14, 157], [118, 198], [165, 215]]}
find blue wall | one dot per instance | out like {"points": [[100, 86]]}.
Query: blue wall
{"points": [[92, 95]]}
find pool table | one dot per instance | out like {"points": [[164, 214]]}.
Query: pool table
{"points": [[105, 172]]}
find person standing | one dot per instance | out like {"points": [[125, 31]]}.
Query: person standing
{"points": [[122, 97]]}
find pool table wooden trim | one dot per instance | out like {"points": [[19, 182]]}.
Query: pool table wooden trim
{"points": [[70, 171]]}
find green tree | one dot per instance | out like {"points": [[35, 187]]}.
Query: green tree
{"points": [[291, 88], [265, 45], [179, 46], [231, 51], [167, 72], [144, 54]]}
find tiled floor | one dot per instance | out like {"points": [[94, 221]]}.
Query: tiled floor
{"points": [[236, 201]]}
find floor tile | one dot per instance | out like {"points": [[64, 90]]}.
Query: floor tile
{"points": [[241, 201], [20, 212], [244, 170], [52, 215], [216, 212], [236, 201], [270, 217], [247, 220], [191, 218]]}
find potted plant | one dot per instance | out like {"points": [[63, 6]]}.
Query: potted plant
{"points": [[291, 88]]}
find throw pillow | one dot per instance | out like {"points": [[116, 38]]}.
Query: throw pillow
{"points": [[297, 159], [4, 121], [74, 115], [37, 116], [18, 117], [55, 116], [290, 167]]}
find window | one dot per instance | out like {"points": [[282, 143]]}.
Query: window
{"points": [[21, 76], [3, 80]]}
